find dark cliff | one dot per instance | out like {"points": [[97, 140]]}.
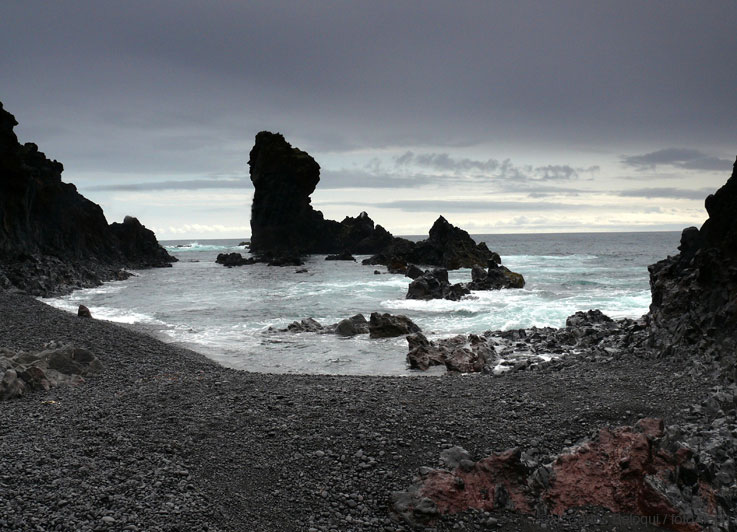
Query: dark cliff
{"points": [[52, 238], [694, 305]]}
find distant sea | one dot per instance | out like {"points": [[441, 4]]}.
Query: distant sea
{"points": [[226, 313]]}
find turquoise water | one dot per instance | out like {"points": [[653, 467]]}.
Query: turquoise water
{"points": [[226, 313]]}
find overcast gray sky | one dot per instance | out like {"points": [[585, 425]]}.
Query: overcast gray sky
{"points": [[503, 116]]}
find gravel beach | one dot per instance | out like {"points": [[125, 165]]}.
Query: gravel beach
{"points": [[164, 439]]}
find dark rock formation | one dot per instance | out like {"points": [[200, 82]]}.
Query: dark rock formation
{"points": [[413, 272], [447, 246], [233, 259], [352, 326], [84, 312], [590, 318], [139, 245], [283, 221], [341, 256], [434, 284], [495, 277], [462, 354], [387, 326], [694, 294], [53, 239], [60, 364], [305, 325], [637, 470]]}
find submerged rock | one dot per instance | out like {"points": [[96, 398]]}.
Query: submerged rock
{"points": [[341, 256], [352, 326], [232, 259]]}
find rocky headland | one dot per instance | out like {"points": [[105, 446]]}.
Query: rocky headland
{"points": [[54, 240]]}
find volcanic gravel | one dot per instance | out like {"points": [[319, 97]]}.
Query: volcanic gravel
{"points": [[165, 439]]}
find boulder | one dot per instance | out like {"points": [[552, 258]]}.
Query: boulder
{"points": [[60, 364], [352, 326], [232, 259], [413, 272], [84, 312], [590, 318], [461, 354], [305, 325], [387, 326], [495, 277], [434, 284]]}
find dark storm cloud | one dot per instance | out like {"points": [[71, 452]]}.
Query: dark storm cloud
{"points": [[667, 192], [117, 76], [688, 159]]}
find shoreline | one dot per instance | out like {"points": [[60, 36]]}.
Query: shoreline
{"points": [[165, 438]]}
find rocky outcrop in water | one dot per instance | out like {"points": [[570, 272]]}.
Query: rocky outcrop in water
{"points": [[283, 221], [694, 294], [447, 246], [434, 284], [53, 239]]}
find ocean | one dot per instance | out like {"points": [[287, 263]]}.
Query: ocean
{"points": [[233, 315]]}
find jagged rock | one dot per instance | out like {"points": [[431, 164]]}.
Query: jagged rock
{"points": [[139, 245], [233, 259], [694, 294], [352, 326], [495, 278], [53, 239], [63, 364], [627, 470], [413, 272], [590, 318], [84, 312], [434, 284], [386, 325], [283, 221], [462, 354], [341, 256], [305, 325], [285, 260], [447, 247]]}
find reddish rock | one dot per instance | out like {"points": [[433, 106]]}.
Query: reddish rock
{"points": [[624, 470]]}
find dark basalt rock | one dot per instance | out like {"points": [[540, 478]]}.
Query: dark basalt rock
{"points": [[283, 221], [447, 246], [694, 294], [462, 354], [590, 318], [434, 284], [388, 326], [495, 278], [352, 326], [233, 259], [53, 239], [341, 256]]}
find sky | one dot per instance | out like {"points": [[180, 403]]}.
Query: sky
{"points": [[504, 117]]}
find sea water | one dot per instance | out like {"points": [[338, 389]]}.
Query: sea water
{"points": [[234, 315]]}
